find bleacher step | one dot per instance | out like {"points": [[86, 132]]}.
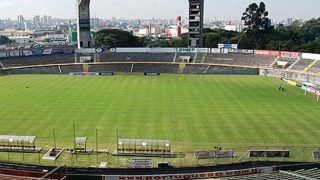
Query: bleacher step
{"points": [[310, 65]]}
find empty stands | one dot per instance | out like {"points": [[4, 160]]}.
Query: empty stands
{"points": [[315, 68], [136, 57], [37, 70], [302, 64], [239, 59], [37, 60], [156, 68], [180, 56], [113, 67], [283, 60], [196, 68], [66, 69]]}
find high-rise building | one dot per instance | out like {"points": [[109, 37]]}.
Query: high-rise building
{"points": [[49, 20], [37, 19], [289, 21], [196, 12], [84, 30], [45, 19], [20, 19]]}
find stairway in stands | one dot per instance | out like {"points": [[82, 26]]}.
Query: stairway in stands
{"points": [[85, 67], [203, 58], [310, 65], [181, 68]]}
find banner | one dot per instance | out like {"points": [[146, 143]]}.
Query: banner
{"points": [[267, 53], [269, 153], [287, 54], [205, 175], [224, 51], [233, 51], [185, 50], [245, 51], [311, 56], [141, 163], [228, 46], [203, 50], [215, 50]]}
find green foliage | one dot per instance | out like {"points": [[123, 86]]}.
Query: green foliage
{"points": [[181, 42], [257, 24], [213, 37], [4, 40], [111, 38]]}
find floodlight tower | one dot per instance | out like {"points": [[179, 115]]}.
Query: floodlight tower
{"points": [[84, 33], [196, 11]]}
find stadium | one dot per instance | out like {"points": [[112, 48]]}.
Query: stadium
{"points": [[158, 113], [217, 108]]}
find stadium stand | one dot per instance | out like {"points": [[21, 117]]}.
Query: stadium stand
{"points": [[302, 64], [38, 70], [37, 60], [196, 69], [3, 72], [231, 70], [239, 59], [284, 62], [156, 68], [315, 68], [310, 173], [181, 56], [11, 177], [71, 68], [136, 57], [113, 67]]}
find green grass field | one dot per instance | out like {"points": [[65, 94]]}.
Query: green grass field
{"points": [[194, 112]]}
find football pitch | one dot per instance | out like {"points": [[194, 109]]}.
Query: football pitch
{"points": [[195, 112]]}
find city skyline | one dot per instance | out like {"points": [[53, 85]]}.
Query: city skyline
{"points": [[131, 9]]}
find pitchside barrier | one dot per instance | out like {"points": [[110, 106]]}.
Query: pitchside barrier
{"points": [[269, 153], [214, 154], [84, 74]]}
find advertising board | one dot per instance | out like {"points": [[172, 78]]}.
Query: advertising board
{"points": [[214, 154], [267, 53], [311, 56], [228, 46], [287, 54], [215, 50], [204, 175], [141, 163]]}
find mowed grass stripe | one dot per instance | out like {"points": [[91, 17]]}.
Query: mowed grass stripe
{"points": [[195, 112]]}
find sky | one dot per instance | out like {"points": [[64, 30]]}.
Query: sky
{"points": [[147, 9]]}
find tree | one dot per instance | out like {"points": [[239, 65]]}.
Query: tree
{"points": [[257, 24], [4, 40], [112, 38]]}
